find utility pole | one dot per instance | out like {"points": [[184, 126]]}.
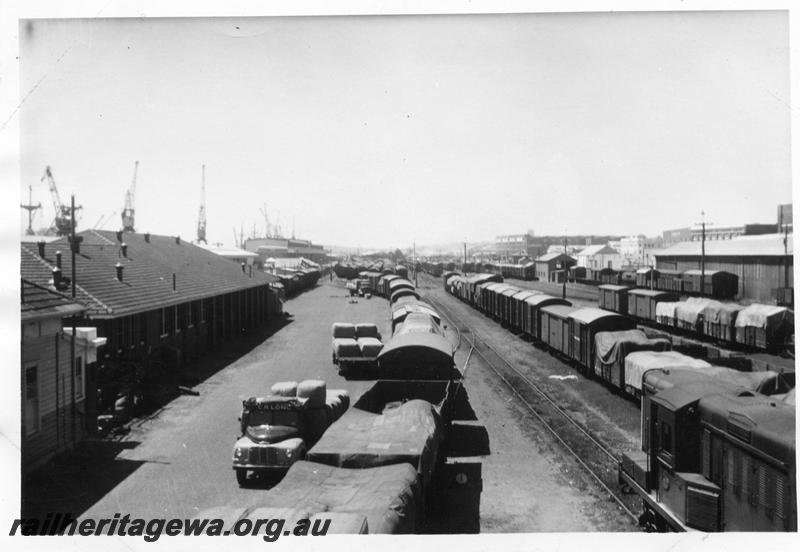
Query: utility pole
{"points": [[703, 256], [786, 255], [465, 254], [415, 263], [74, 246], [564, 264]]}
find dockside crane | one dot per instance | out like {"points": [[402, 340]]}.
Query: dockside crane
{"points": [[201, 217], [62, 224], [30, 207], [268, 229], [128, 211]]}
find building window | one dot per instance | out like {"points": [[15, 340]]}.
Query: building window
{"points": [[31, 400], [79, 383]]}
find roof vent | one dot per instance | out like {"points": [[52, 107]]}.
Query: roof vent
{"points": [[147, 237], [57, 278], [178, 240], [124, 249], [119, 268], [243, 266], [58, 259], [40, 245]]}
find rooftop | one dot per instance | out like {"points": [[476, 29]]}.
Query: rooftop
{"points": [[742, 246], [148, 271], [38, 301]]}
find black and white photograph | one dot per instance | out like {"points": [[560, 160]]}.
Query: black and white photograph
{"points": [[456, 269]]}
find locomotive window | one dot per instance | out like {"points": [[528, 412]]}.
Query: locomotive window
{"points": [[666, 438]]}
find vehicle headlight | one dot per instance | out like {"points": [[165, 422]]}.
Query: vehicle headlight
{"points": [[238, 452], [288, 453]]}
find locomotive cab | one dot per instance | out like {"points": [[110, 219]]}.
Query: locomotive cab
{"points": [[675, 460]]}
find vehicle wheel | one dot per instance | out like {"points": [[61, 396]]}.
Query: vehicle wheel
{"points": [[241, 477]]}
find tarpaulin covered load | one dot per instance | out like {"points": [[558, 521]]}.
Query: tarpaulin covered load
{"points": [[764, 326], [409, 432], [346, 348], [370, 347], [344, 330], [367, 330], [637, 364], [388, 496], [284, 389], [665, 312], [314, 391], [688, 314], [719, 319], [611, 348], [762, 316]]}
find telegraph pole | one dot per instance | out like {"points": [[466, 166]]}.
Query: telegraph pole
{"points": [[414, 245], [73, 247], [564, 265], [703, 257]]}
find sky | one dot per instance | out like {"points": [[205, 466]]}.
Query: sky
{"points": [[378, 131]]}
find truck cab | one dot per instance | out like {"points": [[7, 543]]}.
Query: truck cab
{"points": [[273, 430]]}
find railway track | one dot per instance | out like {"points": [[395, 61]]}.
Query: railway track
{"points": [[595, 457]]}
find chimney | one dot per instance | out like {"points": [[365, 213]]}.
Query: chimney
{"points": [[178, 240], [243, 266], [119, 268], [58, 259], [174, 282], [56, 277], [119, 235], [40, 245], [124, 249], [147, 237]]}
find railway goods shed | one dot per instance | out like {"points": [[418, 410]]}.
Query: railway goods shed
{"points": [[761, 263]]}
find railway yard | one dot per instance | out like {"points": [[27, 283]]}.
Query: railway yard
{"points": [[176, 462], [537, 448]]}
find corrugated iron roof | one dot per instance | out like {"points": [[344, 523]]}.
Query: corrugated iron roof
{"points": [[148, 269], [765, 245]]}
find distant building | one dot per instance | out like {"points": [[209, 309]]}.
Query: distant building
{"points": [[552, 266], [632, 249], [763, 263], [234, 254], [599, 256], [677, 235], [57, 383], [513, 246], [285, 247], [730, 232]]}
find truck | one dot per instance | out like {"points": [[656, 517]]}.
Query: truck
{"points": [[356, 347], [278, 429]]}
